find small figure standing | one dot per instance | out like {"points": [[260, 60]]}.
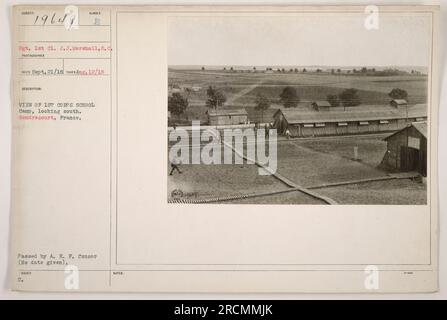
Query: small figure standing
{"points": [[288, 134], [175, 163]]}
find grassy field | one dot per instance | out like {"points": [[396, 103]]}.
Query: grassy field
{"points": [[329, 162], [402, 191], [200, 181], [242, 88], [370, 151], [294, 197], [307, 162]]}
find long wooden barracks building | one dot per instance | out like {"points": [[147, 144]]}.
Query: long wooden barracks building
{"points": [[325, 121]]}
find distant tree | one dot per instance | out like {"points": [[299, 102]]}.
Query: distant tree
{"points": [[304, 70], [319, 70], [397, 93], [354, 70], [296, 70], [391, 72], [289, 97], [225, 68], [231, 69], [283, 70], [203, 68], [338, 70], [262, 104], [215, 98], [254, 68], [364, 70], [333, 100], [373, 69], [332, 71], [177, 104], [291, 70], [349, 98]]}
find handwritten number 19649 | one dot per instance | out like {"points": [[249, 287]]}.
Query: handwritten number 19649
{"points": [[54, 19]]}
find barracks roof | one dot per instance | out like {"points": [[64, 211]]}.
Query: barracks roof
{"points": [[227, 112], [364, 113], [322, 103]]}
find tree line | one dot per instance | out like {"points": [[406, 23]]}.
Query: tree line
{"points": [[354, 71], [289, 98]]}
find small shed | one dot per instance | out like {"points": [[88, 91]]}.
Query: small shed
{"points": [[227, 117], [407, 149], [321, 105], [398, 103]]}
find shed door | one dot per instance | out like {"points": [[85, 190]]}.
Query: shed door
{"points": [[409, 159]]}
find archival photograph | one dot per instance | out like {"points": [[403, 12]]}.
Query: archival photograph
{"points": [[320, 109]]}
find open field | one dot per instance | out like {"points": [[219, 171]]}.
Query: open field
{"points": [[370, 150], [294, 197], [308, 163], [402, 191], [199, 181], [331, 162], [241, 88]]}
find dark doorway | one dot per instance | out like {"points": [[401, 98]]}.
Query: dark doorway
{"points": [[410, 159]]}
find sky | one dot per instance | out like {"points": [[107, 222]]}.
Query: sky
{"points": [[305, 40]]}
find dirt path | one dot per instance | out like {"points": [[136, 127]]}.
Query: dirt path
{"points": [[284, 179], [306, 190], [243, 92]]}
